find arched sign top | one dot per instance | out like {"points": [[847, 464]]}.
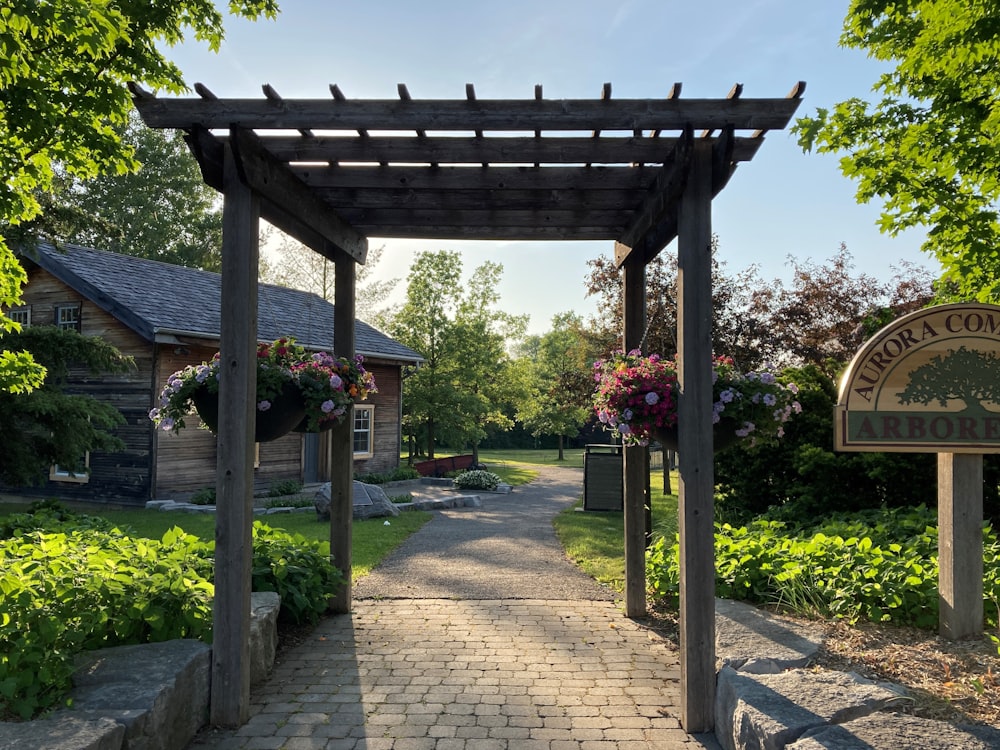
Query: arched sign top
{"points": [[927, 383]]}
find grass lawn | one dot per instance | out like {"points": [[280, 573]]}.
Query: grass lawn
{"points": [[595, 540], [499, 459]]}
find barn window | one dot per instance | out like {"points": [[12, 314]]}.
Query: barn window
{"points": [[78, 473], [364, 420], [68, 316], [21, 315]]}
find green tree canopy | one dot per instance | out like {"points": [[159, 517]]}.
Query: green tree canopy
{"points": [[163, 211], [466, 378], [557, 401], [928, 148], [63, 69]]}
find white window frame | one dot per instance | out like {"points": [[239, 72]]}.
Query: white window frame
{"points": [[21, 315], [74, 324], [59, 474], [359, 410]]}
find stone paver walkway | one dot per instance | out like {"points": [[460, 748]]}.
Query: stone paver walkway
{"points": [[542, 671]]}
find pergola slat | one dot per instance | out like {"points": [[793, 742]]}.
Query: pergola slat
{"points": [[462, 115], [271, 179], [446, 179], [484, 151]]}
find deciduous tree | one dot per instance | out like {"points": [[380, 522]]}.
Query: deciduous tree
{"points": [[927, 148], [459, 329], [738, 330], [828, 310], [299, 267], [163, 211], [560, 382], [63, 69]]}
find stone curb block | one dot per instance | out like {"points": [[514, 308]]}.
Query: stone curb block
{"points": [[767, 700], [898, 731], [773, 710], [459, 501], [63, 733]]}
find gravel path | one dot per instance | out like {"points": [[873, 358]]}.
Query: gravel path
{"points": [[506, 549]]}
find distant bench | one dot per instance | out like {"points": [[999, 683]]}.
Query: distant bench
{"points": [[438, 467]]}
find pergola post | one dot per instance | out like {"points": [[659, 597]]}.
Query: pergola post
{"points": [[230, 700], [696, 486], [635, 466], [342, 437]]}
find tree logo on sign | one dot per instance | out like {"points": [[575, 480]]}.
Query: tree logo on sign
{"points": [[966, 375]]}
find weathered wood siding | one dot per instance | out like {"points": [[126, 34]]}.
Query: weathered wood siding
{"points": [[117, 478], [186, 460], [386, 402]]}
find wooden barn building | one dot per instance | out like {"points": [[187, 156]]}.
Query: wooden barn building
{"points": [[167, 317]]}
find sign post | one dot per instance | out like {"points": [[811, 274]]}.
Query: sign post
{"points": [[930, 383]]}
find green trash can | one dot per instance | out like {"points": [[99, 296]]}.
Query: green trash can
{"points": [[603, 485]]}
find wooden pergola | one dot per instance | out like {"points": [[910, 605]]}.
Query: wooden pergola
{"points": [[331, 172]]}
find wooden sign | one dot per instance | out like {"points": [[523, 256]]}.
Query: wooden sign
{"points": [[927, 383]]}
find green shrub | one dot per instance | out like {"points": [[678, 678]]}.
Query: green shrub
{"points": [[284, 487], [65, 592], [878, 565], [50, 515], [65, 589], [477, 480], [204, 496], [802, 475], [298, 569]]}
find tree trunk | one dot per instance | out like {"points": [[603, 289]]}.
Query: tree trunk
{"points": [[430, 439], [562, 456], [475, 454]]}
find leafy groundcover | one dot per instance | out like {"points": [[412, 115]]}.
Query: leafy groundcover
{"points": [[879, 566], [74, 583]]}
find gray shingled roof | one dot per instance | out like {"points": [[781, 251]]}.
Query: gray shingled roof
{"points": [[157, 299]]}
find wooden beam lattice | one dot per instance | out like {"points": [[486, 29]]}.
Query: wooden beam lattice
{"points": [[483, 169]]}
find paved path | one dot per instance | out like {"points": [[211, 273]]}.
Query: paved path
{"points": [[476, 634]]}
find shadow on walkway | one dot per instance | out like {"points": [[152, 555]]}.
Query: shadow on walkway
{"points": [[476, 634]]}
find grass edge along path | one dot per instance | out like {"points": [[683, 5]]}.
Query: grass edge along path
{"points": [[595, 540]]}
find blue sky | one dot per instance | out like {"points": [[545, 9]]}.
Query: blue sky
{"points": [[783, 203]]}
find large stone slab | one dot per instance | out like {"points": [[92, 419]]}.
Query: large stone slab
{"points": [[898, 732], [754, 641], [769, 711], [158, 691], [64, 732], [370, 501]]}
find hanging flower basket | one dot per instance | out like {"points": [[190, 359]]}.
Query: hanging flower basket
{"points": [[636, 398], [280, 416], [296, 390]]}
